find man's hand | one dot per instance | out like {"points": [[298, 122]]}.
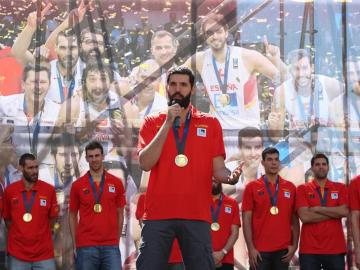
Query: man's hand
{"points": [[272, 52], [32, 18], [173, 112], [254, 256], [218, 256], [288, 256], [357, 258], [234, 176]]}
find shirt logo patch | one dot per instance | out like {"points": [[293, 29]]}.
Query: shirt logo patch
{"points": [[201, 132], [112, 189], [334, 195], [287, 194], [311, 196], [228, 210], [86, 191], [42, 202], [260, 192]]}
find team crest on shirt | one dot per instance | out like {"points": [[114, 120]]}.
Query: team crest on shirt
{"points": [[334, 195], [311, 195], [15, 201], [227, 209], [86, 191], [287, 194], [111, 189], [260, 192], [42, 202], [201, 132]]}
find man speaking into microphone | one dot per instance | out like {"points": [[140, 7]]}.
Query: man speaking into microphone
{"points": [[183, 160]]}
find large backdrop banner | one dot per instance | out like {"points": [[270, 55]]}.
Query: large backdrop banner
{"points": [[75, 71]]}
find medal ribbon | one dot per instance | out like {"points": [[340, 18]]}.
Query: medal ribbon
{"points": [[61, 87], [35, 135], [28, 204], [180, 144], [215, 214], [323, 200], [222, 85], [97, 196], [149, 107], [273, 199]]}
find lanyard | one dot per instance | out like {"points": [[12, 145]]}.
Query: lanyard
{"points": [[28, 204], [323, 200], [61, 86], [97, 196], [36, 130], [180, 144], [273, 199], [222, 85], [215, 214]]}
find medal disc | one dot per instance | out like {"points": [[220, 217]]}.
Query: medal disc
{"points": [[97, 208], [274, 210], [27, 217], [181, 160], [224, 99], [215, 226]]}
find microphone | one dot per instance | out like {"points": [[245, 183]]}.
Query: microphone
{"points": [[177, 118]]}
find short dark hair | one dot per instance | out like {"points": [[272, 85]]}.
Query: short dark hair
{"points": [[94, 31], [269, 150], [317, 156], [66, 34], [296, 55], [35, 68], [97, 66], [249, 132], [214, 17], [163, 33], [182, 71], [94, 145], [64, 140], [25, 157]]}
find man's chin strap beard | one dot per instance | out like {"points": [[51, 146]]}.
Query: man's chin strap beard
{"points": [[184, 102]]}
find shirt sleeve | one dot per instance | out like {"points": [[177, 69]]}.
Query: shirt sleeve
{"points": [[120, 196], [54, 210], [248, 200], [146, 134], [219, 148], [354, 199], [236, 217], [74, 203], [301, 200], [344, 198]]}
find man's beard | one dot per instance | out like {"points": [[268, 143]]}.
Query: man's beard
{"points": [[216, 189], [184, 102], [87, 56]]}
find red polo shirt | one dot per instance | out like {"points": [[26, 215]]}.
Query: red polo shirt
{"points": [[326, 237], [30, 241], [182, 193], [97, 229], [175, 255], [354, 194], [228, 216], [270, 232]]}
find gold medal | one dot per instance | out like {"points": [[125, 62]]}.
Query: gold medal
{"points": [[56, 226], [274, 210], [181, 160], [97, 208], [224, 99], [215, 226], [27, 217]]}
